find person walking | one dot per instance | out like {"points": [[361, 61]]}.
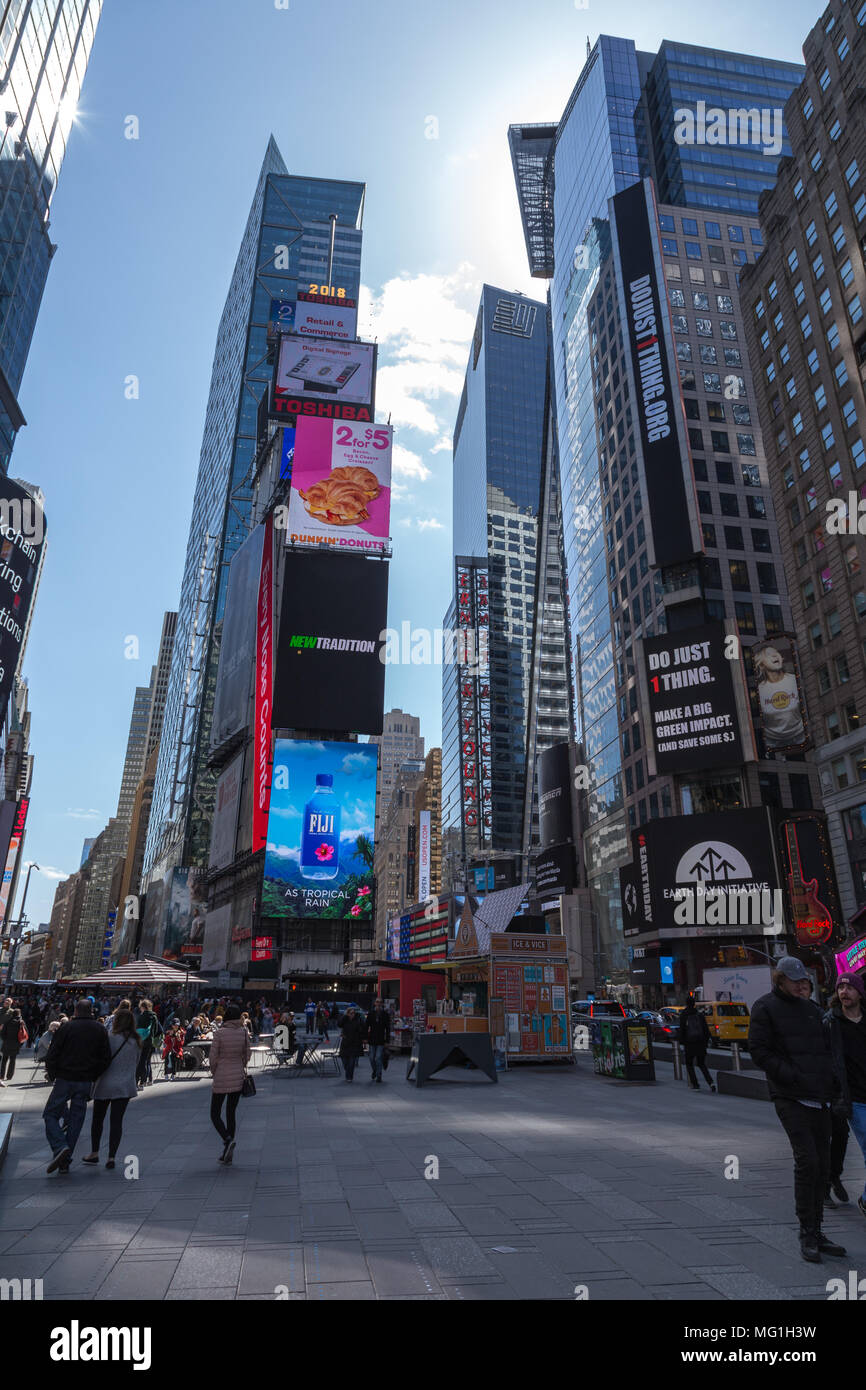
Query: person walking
{"points": [[79, 1053], [310, 1015], [845, 1021], [788, 1041], [46, 1040], [229, 1055], [378, 1034], [13, 1036], [322, 1022], [115, 1087], [149, 1031], [352, 1041], [695, 1039]]}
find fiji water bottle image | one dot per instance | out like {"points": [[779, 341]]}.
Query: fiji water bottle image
{"points": [[320, 836]]}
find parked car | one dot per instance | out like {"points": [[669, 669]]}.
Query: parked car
{"points": [[662, 1029], [598, 1008], [672, 1012], [727, 1022]]}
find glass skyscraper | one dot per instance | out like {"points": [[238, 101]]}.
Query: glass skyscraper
{"points": [[505, 506], [617, 128], [44, 50], [284, 249]]}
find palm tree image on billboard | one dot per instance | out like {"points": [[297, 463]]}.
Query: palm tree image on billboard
{"points": [[319, 856]]}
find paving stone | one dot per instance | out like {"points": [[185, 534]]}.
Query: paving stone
{"points": [[430, 1216], [531, 1276], [323, 1215], [644, 1262], [455, 1257], [80, 1272], [484, 1221], [263, 1271], [207, 1267], [401, 1273], [572, 1253], [360, 1291], [620, 1208], [383, 1225], [329, 1262], [138, 1279]]}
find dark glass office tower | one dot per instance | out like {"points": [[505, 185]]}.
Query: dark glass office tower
{"points": [[618, 127], [44, 50], [284, 249], [508, 573]]}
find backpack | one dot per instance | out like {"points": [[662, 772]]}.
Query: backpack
{"points": [[694, 1028]]}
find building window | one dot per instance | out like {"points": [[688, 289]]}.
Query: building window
{"points": [[849, 413], [834, 625], [669, 247], [824, 684], [852, 174], [745, 615], [798, 189], [735, 234], [831, 204], [811, 234], [851, 719], [734, 538], [854, 311], [739, 572], [746, 445], [826, 302], [684, 352], [843, 673], [693, 250], [812, 361], [840, 371]]}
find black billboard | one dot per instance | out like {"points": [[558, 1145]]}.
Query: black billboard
{"points": [[703, 872], [630, 897], [22, 538], [668, 480], [237, 641], [809, 877], [554, 796], [554, 871], [329, 674], [691, 696]]}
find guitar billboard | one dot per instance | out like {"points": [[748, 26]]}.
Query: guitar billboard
{"points": [[809, 877]]}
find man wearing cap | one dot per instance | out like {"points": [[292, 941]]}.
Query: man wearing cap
{"points": [[788, 1040], [845, 1022]]}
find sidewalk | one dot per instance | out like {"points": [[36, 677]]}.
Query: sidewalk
{"points": [[550, 1179]]}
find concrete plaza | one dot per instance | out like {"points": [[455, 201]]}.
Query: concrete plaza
{"points": [[552, 1179]]}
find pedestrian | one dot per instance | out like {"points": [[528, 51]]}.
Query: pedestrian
{"points": [[79, 1053], [352, 1042], [845, 1021], [322, 1022], [247, 1022], [230, 1052], [13, 1036], [172, 1051], [378, 1034], [149, 1031], [695, 1039], [46, 1040], [788, 1041], [310, 1015], [115, 1087]]}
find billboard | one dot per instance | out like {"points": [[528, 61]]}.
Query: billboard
{"points": [[473, 705], [322, 377], [696, 699], [341, 485], [313, 319], [22, 540], [630, 899], [424, 856], [217, 933], [17, 811], [237, 641], [810, 879], [554, 871], [281, 318], [554, 796], [329, 674], [287, 452], [319, 856], [264, 691], [667, 480], [225, 817], [777, 702], [695, 872], [184, 911], [852, 957]]}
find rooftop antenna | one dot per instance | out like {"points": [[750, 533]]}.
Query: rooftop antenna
{"points": [[588, 48]]}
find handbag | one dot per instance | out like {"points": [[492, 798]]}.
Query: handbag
{"points": [[249, 1086]]}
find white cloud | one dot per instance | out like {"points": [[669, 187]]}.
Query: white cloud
{"points": [[76, 813], [429, 524], [407, 464], [49, 872]]}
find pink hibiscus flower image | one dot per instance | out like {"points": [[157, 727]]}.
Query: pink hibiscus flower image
{"points": [[324, 853], [355, 911], [363, 892]]}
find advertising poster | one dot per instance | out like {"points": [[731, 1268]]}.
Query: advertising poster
{"points": [[632, 920], [554, 871], [319, 857], [316, 320], [287, 452], [22, 539], [691, 697], [225, 815], [326, 378], [852, 958], [554, 796], [217, 933], [777, 701], [237, 641], [329, 672], [810, 879], [281, 318], [341, 485], [424, 857], [184, 909], [264, 690]]}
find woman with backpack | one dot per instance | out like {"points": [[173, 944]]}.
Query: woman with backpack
{"points": [[116, 1086], [13, 1036], [695, 1039], [148, 1029]]}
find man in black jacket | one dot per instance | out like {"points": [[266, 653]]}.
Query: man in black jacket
{"points": [[788, 1041], [695, 1039], [378, 1034], [79, 1053]]}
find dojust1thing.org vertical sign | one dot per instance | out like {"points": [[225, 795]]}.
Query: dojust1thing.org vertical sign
{"points": [[668, 481]]}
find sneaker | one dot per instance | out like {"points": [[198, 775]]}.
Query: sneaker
{"points": [[90, 1158], [838, 1190], [379, 1079], [63, 1156], [713, 1087], [862, 1205], [809, 1247], [828, 1247], [229, 1150], [828, 1201]]}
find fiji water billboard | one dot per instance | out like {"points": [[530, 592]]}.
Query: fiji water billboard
{"points": [[319, 856]]}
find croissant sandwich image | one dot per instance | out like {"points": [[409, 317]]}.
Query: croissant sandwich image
{"points": [[341, 498]]}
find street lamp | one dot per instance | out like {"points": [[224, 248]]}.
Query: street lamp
{"points": [[14, 951]]}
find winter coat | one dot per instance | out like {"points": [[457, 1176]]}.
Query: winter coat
{"points": [[229, 1054], [695, 1045], [118, 1082], [352, 1043], [43, 1045], [788, 1041], [9, 1036], [378, 1028], [146, 1018], [79, 1051]]}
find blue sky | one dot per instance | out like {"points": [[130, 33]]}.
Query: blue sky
{"points": [[148, 231]]}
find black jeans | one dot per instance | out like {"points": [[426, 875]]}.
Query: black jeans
{"points": [[699, 1055], [838, 1146], [808, 1130], [7, 1065], [349, 1061], [115, 1124], [225, 1131], [142, 1071]]}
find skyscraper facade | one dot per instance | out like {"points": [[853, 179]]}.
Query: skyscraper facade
{"points": [[44, 50], [284, 248]]}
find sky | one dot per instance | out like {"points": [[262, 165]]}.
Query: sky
{"points": [[415, 100]]}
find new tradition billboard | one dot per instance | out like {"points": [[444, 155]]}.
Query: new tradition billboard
{"points": [[341, 485], [329, 673], [319, 856]]}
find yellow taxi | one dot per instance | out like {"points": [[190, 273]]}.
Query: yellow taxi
{"points": [[727, 1022]]}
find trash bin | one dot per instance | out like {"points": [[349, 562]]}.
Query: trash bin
{"points": [[623, 1048]]}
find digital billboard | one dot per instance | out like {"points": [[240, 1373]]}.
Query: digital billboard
{"points": [[319, 856], [630, 899], [554, 796], [424, 856], [217, 934], [237, 641], [341, 485], [326, 378], [287, 452], [554, 871], [281, 318], [810, 878], [329, 674], [667, 482], [777, 702], [22, 539], [696, 699], [225, 816], [184, 912], [316, 320]]}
